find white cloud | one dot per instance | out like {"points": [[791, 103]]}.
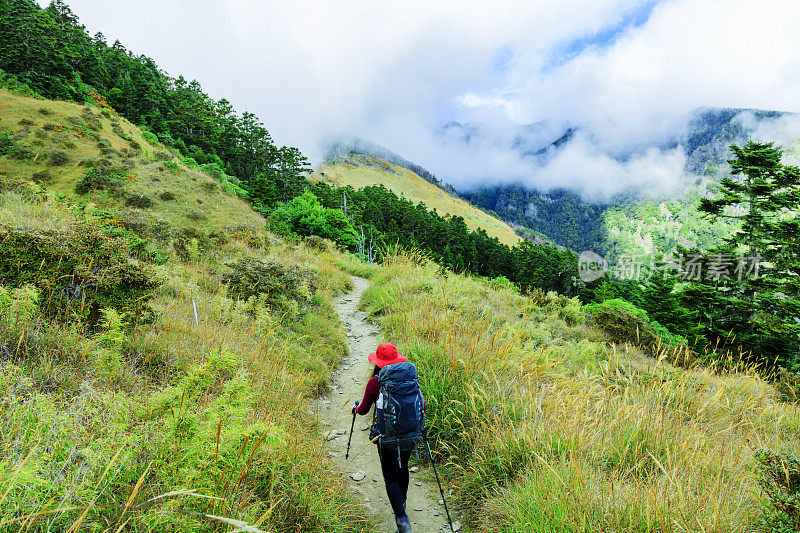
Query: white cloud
{"points": [[394, 71]]}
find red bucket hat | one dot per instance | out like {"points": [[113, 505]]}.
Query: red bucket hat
{"points": [[386, 354]]}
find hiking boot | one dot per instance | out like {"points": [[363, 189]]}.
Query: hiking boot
{"points": [[403, 525]]}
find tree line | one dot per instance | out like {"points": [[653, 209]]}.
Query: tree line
{"points": [[369, 219]]}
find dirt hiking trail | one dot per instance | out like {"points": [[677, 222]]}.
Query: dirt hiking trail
{"points": [[363, 469]]}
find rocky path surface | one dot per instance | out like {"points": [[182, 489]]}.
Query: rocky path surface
{"points": [[363, 470]]}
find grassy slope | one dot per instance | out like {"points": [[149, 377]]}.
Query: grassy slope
{"points": [[361, 171], [548, 428], [199, 199], [97, 424]]}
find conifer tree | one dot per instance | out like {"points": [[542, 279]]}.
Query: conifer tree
{"points": [[765, 198]]}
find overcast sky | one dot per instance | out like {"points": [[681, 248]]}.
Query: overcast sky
{"points": [[395, 71]]}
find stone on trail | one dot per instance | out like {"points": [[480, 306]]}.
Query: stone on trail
{"points": [[417, 483], [414, 469], [358, 476], [456, 525]]}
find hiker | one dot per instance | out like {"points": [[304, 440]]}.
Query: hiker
{"points": [[398, 421]]}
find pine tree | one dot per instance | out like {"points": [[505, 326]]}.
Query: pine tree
{"points": [[763, 312]]}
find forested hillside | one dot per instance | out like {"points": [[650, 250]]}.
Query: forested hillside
{"points": [[48, 53]]}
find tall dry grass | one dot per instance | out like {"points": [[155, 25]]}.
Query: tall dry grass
{"points": [[185, 424], [547, 428]]}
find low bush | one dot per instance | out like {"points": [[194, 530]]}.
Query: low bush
{"points": [[57, 159], [316, 243], [624, 322], [779, 478], [140, 201], [250, 276], [91, 120], [190, 162], [162, 156], [21, 152], [6, 142], [150, 137], [26, 122], [101, 177], [79, 270], [43, 176], [117, 129], [167, 195]]}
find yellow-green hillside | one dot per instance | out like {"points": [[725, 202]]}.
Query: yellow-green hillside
{"points": [[56, 143], [361, 170]]}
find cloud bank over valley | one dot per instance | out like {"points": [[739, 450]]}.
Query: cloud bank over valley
{"points": [[622, 76]]}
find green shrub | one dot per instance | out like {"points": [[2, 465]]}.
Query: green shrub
{"points": [[250, 276], [171, 166], [21, 152], [44, 111], [779, 478], [316, 243], [502, 283], [91, 120], [42, 176], [6, 142], [140, 201], [134, 144], [101, 177], [79, 270], [167, 195], [26, 122], [162, 156], [58, 159], [150, 137], [623, 322], [190, 162], [13, 84], [117, 129], [305, 215], [214, 170]]}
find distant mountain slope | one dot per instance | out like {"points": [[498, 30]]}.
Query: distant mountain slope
{"points": [[57, 143], [342, 149], [629, 223], [359, 170]]}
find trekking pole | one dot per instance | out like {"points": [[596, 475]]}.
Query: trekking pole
{"points": [[433, 463], [353, 423]]}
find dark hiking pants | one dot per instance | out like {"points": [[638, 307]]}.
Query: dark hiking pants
{"points": [[396, 478]]}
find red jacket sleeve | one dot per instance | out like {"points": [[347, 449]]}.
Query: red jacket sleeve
{"points": [[370, 395]]}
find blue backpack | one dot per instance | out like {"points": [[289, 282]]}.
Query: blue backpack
{"points": [[400, 412]]}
